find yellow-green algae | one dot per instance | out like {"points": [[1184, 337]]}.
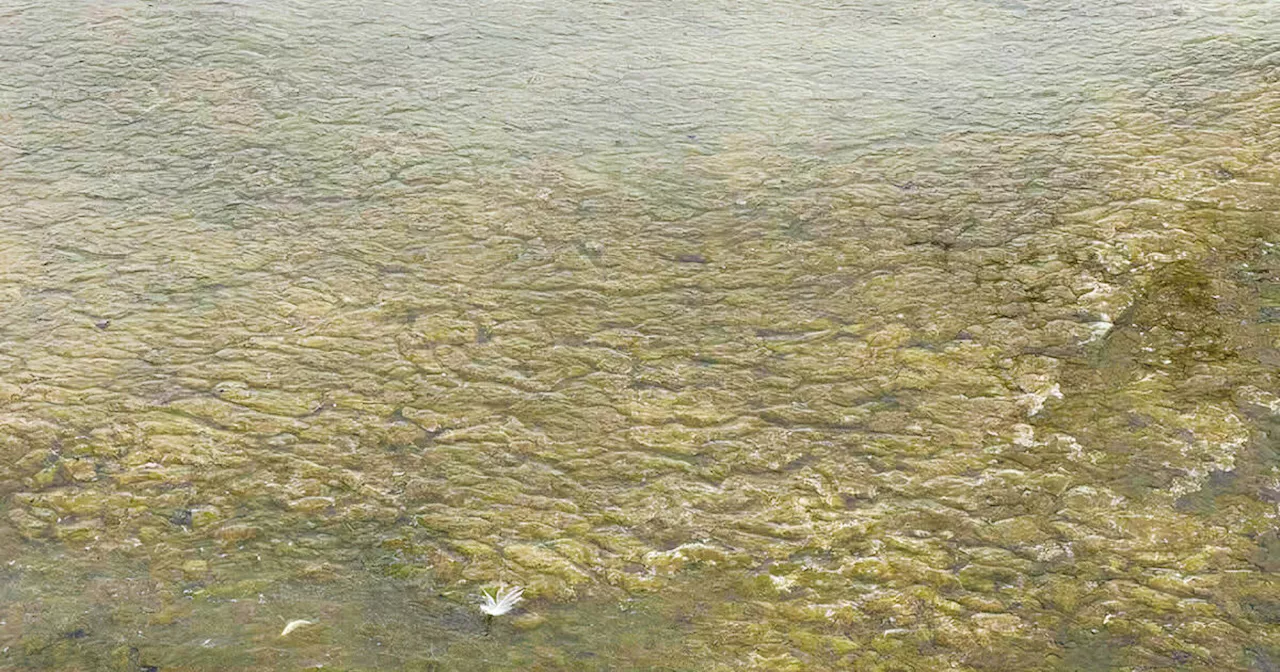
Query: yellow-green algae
{"points": [[998, 399]]}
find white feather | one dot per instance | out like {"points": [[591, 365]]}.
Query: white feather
{"points": [[294, 625], [502, 601]]}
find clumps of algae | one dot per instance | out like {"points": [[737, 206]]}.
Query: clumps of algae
{"points": [[1017, 420]]}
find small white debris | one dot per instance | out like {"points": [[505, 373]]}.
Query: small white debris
{"points": [[501, 601], [1035, 400], [294, 625], [1100, 328]]}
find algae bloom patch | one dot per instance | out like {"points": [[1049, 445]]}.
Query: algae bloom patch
{"points": [[786, 335]]}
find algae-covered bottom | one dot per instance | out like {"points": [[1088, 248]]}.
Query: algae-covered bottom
{"points": [[792, 336]]}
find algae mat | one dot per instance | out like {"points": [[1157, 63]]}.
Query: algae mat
{"points": [[798, 335]]}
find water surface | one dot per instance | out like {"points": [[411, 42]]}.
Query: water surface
{"points": [[771, 336]]}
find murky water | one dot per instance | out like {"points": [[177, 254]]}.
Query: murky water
{"points": [[794, 335]]}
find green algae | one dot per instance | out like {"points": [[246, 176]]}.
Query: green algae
{"points": [[745, 394]]}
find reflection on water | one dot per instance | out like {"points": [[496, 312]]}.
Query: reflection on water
{"points": [[798, 335]]}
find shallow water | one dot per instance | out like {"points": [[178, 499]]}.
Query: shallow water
{"points": [[774, 336]]}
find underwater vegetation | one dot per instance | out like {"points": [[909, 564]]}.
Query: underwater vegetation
{"points": [[715, 337]]}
